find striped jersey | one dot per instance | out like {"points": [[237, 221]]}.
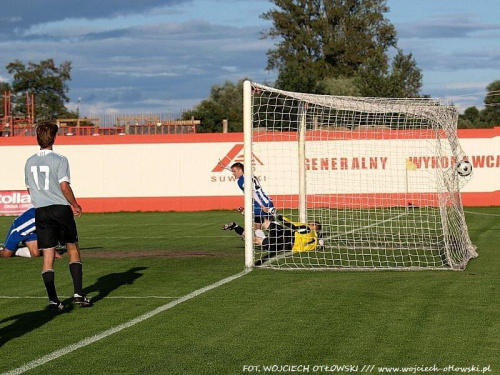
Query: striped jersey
{"points": [[24, 224], [259, 196]]}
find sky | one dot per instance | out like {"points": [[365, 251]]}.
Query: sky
{"points": [[162, 56]]}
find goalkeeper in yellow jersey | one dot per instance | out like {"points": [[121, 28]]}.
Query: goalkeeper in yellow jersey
{"points": [[283, 236]]}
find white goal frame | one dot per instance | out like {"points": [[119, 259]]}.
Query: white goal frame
{"points": [[450, 178]]}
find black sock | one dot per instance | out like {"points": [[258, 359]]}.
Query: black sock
{"points": [[239, 230], [77, 274], [48, 279]]}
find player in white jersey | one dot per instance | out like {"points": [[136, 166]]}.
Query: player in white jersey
{"points": [[48, 180]]}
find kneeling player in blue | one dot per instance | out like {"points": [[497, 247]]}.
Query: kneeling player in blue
{"points": [[262, 204], [22, 230]]}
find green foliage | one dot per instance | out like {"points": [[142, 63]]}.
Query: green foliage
{"points": [[225, 102], [47, 81], [488, 117], [321, 40], [470, 118], [491, 114], [403, 79], [296, 76], [471, 114], [339, 86], [326, 39]]}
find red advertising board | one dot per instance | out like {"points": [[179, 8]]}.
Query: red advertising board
{"points": [[14, 202]]}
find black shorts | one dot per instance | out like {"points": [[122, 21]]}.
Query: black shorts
{"points": [[279, 239], [260, 219], [53, 224]]}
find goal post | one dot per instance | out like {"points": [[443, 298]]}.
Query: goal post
{"points": [[379, 176], [248, 173], [302, 166]]}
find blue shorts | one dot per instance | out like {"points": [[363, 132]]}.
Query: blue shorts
{"points": [[260, 215], [14, 238]]}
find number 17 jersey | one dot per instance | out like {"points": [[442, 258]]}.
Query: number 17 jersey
{"points": [[43, 175]]}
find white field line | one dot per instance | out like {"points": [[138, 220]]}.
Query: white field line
{"points": [[144, 225], [367, 226], [90, 340], [109, 297], [158, 237], [481, 213]]}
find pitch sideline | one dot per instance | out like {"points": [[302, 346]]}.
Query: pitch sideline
{"points": [[90, 340]]}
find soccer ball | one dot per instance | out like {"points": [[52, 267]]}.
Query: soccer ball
{"points": [[464, 168]]}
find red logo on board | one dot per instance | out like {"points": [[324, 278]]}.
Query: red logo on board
{"points": [[235, 155]]}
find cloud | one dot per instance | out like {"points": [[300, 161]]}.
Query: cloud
{"points": [[432, 57], [467, 85], [147, 66], [446, 26], [23, 14]]}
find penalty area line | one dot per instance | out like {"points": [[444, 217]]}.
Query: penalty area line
{"points": [[336, 235], [90, 340], [480, 213]]}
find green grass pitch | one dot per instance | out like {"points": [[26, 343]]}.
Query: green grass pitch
{"points": [[264, 318]]}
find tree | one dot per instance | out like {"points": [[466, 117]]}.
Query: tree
{"points": [[339, 86], [325, 38], [491, 113], [405, 77], [225, 102], [47, 81], [489, 116], [470, 118], [373, 77], [402, 80]]}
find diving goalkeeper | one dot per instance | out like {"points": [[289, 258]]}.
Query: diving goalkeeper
{"points": [[283, 236]]}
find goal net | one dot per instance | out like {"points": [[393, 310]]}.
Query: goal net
{"points": [[379, 175]]}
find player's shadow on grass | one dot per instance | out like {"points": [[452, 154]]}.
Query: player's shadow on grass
{"points": [[109, 283], [30, 321], [19, 325]]}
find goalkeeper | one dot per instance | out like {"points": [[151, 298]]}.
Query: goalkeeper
{"points": [[283, 237]]}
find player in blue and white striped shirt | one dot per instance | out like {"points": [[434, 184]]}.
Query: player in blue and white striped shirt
{"points": [[22, 230], [262, 204]]}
